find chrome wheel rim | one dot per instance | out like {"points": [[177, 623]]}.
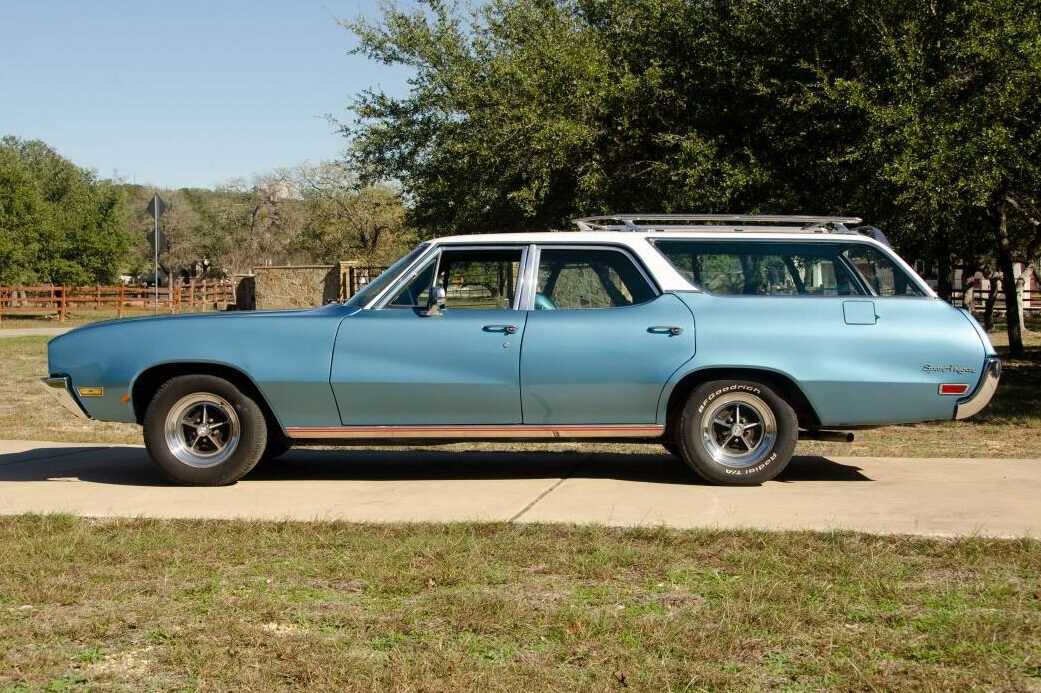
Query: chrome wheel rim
{"points": [[739, 430], [202, 430]]}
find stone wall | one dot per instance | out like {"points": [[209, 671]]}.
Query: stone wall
{"points": [[295, 286]]}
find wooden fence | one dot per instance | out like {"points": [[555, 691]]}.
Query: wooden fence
{"points": [[353, 278], [62, 300], [1031, 301], [211, 294]]}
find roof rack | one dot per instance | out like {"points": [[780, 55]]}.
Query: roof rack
{"points": [[717, 222]]}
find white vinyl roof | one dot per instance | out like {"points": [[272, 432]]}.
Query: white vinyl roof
{"points": [[662, 270]]}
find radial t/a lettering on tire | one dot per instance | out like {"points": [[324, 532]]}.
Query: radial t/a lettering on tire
{"points": [[737, 432], [201, 430]]}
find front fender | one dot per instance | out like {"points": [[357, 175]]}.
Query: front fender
{"points": [[285, 354]]}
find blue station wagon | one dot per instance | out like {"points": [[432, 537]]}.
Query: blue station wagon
{"points": [[723, 338]]}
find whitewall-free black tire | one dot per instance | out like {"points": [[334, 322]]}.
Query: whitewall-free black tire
{"points": [[201, 430]]}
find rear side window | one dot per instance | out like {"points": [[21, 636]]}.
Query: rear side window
{"points": [[588, 278], [750, 268]]}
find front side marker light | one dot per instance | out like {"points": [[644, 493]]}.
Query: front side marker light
{"points": [[90, 391]]}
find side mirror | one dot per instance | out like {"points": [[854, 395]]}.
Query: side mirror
{"points": [[437, 302]]}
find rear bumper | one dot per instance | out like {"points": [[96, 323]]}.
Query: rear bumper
{"points": [[975, 402], [61, 389]]}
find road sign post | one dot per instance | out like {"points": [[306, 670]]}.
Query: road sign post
{"points": [[156, 207]]}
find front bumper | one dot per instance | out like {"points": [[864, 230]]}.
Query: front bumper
{"points": [[974, 403], [61, 389]]}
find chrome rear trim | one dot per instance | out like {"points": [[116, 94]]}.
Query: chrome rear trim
{"points": [[61, 390], [975, 402], [471, 432]]}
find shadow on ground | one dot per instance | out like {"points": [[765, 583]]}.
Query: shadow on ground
{"points": [[130, 466]]}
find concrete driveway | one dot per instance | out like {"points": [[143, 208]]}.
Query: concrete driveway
{"points": [[888, 495]]}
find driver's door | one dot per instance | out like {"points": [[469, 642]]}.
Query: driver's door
{"points": [[397, 365]]}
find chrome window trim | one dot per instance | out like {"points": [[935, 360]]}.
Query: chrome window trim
{"points": [[617, 248], [422, 262], [530, 278], [393, 286]]}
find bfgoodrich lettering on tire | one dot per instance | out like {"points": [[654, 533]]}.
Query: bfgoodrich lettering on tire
{"points": [[201, 430], [737, 432]]}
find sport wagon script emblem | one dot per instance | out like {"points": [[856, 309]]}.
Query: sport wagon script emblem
{"points": [[949, 368]]}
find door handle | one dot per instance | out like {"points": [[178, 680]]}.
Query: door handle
{"points": [[508, 329], [666, 329]]}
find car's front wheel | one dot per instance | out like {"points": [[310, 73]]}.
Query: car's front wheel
{"points": [[201, 430], [737, 432]]}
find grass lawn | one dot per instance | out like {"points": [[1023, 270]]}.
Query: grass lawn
{"points": [[1009, 427], [140, 604], [236, 605]]}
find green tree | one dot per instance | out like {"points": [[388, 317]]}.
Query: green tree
{"points": [[954, 129], [922, 117], [527, 113], [59, 223], [21, 210]]}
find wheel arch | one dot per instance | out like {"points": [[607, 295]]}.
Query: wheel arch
{"points": [[782, 383], [147, 383]]}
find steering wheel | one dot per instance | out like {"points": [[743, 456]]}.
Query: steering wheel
{"points": [[543, 302]]}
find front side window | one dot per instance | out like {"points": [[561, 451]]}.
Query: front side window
{"points": [[387, 277], [473, 279], [588, 278], [772, 268]]}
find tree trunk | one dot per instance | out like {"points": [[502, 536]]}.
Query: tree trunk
{"points": [[943, 267], [1021, 285], [969, 285], [968, 297], [1013, 316], [992, 298]]}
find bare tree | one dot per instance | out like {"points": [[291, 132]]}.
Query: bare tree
{"points": [[346, 220], [258, 222]]}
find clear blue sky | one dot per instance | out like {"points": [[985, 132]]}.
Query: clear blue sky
{"points": [[183, 93]]}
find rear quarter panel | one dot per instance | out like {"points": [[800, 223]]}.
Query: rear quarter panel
{"points": [[852, 374], [286, 354]]}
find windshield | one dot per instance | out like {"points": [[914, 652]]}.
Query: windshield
{"points": [[386, 278]]}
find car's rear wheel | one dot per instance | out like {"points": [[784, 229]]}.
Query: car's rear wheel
{"points": [[201, 430], [737, 432]]}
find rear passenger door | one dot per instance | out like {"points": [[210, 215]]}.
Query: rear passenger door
{"points": [[600, 341]]}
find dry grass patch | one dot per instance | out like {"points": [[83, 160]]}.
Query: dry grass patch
{"points": [[27, 412], [75, 318], [270, 606]]}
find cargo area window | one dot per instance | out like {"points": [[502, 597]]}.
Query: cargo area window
{"points": [[778, 268], [762, 269], [879, 272]]}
